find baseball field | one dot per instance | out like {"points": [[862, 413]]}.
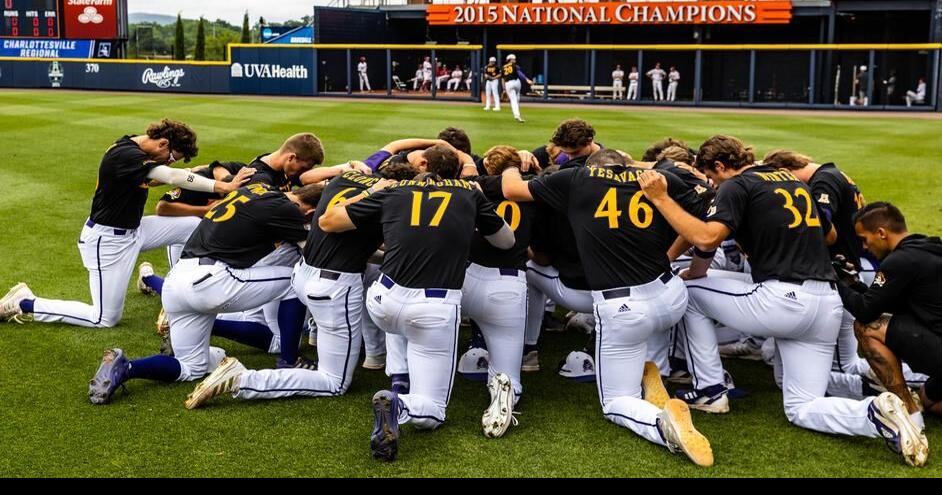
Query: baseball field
{"points": [[52, 143]]}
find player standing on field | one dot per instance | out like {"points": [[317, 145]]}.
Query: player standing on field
{"points": [[364, 77], [618, 83], [492, 85], [513, 75], [116, 230], [790, 295], [657, 76]]}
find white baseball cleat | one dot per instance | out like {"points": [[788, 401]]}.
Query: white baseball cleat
{"points": [[500, 414], [374, 362], [531, 361], [225, 380], [145, 269], [679, 434], [10, 304], [891, 419], [747, 349]]}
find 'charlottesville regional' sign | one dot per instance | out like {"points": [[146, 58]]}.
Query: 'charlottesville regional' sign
{"points": [[668, 12]]}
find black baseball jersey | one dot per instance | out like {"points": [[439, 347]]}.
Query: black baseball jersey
{"points": [[519, 216], [558, 240], [122, 186], [346, 251], [909, 283], [838, 200], [427, 227], [774, 219], [704, 191], [246, 226], [492, 71], [200, 198], [264, 174], [510, 72], [622, 239]]}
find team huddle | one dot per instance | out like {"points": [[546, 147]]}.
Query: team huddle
{"points": [[670, 262]]}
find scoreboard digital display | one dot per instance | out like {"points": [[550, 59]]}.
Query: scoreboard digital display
{"points": [[30, 19]]}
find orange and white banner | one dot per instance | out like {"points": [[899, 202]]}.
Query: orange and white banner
{"points": [[608, 13]]}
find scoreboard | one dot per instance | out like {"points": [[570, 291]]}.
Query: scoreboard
{"points": [[30, 19]]}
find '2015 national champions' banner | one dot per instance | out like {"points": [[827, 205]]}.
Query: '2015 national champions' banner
{"points": [[603, 13]]}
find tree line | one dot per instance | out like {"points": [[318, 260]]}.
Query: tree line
{"points": [[192, 39]]}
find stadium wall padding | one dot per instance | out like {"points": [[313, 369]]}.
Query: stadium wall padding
{"points": [[273, 71], [155, 77]]}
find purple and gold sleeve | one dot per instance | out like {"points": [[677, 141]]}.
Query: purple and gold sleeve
{"points": [[377, 159]]}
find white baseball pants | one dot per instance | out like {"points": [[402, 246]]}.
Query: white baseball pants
{"points": [[496, 299], [109, 255], [428, 319], [194, 294]]}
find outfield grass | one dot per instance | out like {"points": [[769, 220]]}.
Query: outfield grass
{"points": [[52, 145]]}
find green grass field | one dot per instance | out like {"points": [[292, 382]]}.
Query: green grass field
{"points": [[52, 145]]}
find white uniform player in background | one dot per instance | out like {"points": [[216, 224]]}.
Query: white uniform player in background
{"points": [[657, 76], [633, 77], [364, 78], [427, 74], [618, 83], [674, 80], [455, 81], [492, 85]]}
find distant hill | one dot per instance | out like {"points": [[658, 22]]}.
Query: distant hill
{"points": [[160, 19]]}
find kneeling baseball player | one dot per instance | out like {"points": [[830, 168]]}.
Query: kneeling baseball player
{"points": [[428, 227], [634, 292], [217, 274]]}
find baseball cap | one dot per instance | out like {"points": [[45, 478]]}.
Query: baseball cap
{"points": [[473, 364], [511, 57], [492, 59], [578, 366]]}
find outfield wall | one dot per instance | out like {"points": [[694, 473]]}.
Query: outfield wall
{"points": [[782, 76]]}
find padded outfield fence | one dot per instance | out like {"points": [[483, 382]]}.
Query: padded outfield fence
{"points": [[766, 75]]}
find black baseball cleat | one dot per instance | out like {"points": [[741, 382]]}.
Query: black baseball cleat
{"points": [[384, 441], [111, 374]]}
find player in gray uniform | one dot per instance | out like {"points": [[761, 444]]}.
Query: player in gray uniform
{"points": [[791, 295]]}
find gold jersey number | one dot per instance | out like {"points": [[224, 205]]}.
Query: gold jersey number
{"points": [[810, 217], [640, 213], [418, 198]]}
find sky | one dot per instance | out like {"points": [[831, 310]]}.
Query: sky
{"points": [[229, 10]]}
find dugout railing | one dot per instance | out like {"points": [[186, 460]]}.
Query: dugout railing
{"points": [[810, 76], [768, 75]]}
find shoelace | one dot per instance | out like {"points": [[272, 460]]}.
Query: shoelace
{"points": [[21, 318], [513, 418]]}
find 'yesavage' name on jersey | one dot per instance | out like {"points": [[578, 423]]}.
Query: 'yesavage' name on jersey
{"points": [[622, 239]]}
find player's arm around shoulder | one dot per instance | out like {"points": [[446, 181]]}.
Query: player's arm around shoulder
{"points": [[705, 236], [338, 219], [514, 187]]}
